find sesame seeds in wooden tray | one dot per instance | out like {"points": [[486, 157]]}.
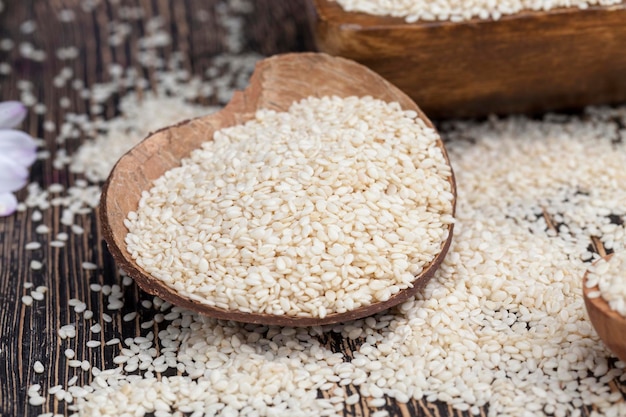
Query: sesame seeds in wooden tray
{"points": [[529, 61]]}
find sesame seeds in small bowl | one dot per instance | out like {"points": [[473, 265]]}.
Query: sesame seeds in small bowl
{"points": [[604, 289], [311, 199]]}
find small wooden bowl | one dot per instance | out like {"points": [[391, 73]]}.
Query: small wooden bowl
{"points": [[609, 324], [529, 62], [277, 82]]}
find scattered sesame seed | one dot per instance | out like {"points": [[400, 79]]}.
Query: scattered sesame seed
{"points": [[49, 126], [113, 341], [66, 15], [93, 343], [42, 229], [36, 295], [6, 44], [73, 302], [115, 305], [28, 26], [53, 390], [74, 363], [130, 316], [36, 400], [89, 266], [36, 216], [38, 367], [147, 324]]}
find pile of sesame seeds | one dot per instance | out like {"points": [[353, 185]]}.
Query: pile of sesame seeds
{"points": [[123, 132], [330, 206], [458, 11], [610, 278], [502, 324]]}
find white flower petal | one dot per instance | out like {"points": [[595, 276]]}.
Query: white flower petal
{"points": [[13, 175], [8, 204], [18, 146], [11, 113]]}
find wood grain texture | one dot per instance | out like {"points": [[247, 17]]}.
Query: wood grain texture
{"points": [[276, 83], [525, 63], [610, 325]]}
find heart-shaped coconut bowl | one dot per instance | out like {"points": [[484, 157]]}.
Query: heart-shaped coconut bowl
{"points": [[276, 83]]}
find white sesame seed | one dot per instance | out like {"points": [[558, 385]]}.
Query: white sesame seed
{"points": [[42, 229], [32, 246], [36, 295], [49, 126], [115, 304], [89, 266], [35, 401], [53, 390], [130, 316], [113, 341], [38, 367], [73, 302]]}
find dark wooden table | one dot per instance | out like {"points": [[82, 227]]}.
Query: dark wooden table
{"points": [[29, 333]]}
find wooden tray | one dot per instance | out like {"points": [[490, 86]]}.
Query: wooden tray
{"points": [[530, 62]]}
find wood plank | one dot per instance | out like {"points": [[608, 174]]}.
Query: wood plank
{"points": [[530, 62]]}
